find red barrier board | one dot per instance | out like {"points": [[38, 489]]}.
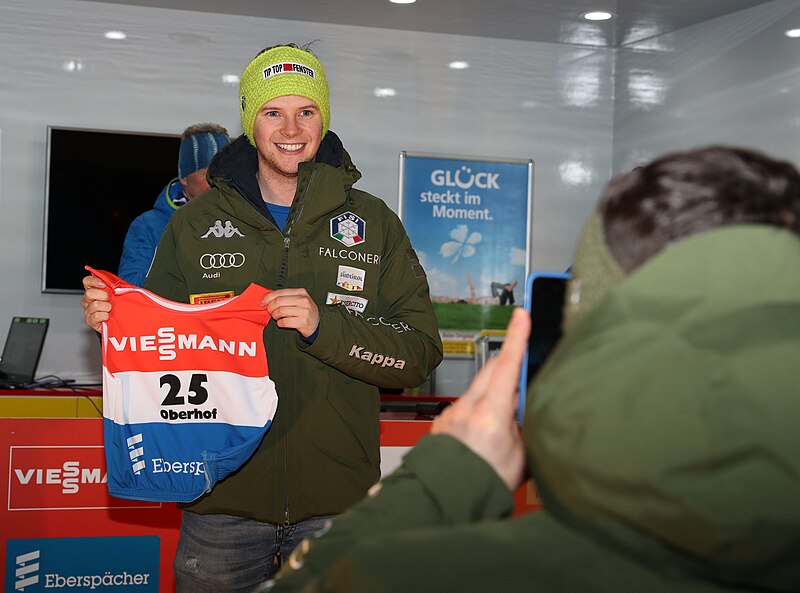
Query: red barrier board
{"points": [[54, 475], [53, 479]]}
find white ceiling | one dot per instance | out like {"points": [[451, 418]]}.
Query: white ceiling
{"points": [[554, 21]]}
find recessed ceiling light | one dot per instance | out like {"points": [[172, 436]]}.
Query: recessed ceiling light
{"points": [[402, 1], [115, 35], [458, 65], [597, 15], [230, 79], [793, 33], [72, 66], [385, 92]]}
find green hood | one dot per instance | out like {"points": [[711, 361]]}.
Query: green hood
{"points": [[665, 424]]}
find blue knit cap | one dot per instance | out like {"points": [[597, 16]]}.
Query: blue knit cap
{"points": [[197, 151]]}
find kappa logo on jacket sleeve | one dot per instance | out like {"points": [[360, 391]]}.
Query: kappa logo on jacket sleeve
{"points": [[376, 358]]}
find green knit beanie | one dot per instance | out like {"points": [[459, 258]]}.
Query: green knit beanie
{"points": [[281, 71]]}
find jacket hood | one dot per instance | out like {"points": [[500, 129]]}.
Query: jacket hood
{"points": [[171, 198], [665, 423], [236, 165]]}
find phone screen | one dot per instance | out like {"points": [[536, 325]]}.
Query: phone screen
{"points": [[544, 301]]}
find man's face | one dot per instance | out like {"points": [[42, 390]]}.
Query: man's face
{"points": [[195, 184], [287, 132]]}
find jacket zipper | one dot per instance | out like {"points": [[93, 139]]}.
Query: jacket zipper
{"points": [[284, 266], [283, 269], [282, 273]]}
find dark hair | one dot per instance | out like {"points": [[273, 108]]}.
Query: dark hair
{"points": [[305, 48], [202, 129], [684, 193]]}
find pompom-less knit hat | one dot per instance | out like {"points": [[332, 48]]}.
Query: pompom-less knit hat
{"points": [[199, 144], [280, 71]]}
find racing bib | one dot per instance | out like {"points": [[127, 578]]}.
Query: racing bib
{"points": [[187, 396]]}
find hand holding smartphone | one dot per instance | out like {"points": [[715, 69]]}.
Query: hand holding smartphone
{"points": [[544, 302]]}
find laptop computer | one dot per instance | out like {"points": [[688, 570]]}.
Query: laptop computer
{"points": [[22, 351]]}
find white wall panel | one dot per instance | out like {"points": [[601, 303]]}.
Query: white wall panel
{"points": [[734, 80], [549, 102]]}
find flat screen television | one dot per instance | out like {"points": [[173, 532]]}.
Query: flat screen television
{"points": [[98, 181]]}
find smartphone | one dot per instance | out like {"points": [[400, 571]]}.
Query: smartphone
{"points": [[544, 302]]}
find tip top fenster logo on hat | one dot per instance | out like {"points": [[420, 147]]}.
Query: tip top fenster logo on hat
{"points": [[348, 228], [289, 68]]}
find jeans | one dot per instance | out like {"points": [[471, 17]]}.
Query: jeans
{"points": [[225, 554]]}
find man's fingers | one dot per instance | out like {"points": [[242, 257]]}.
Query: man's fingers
{"points": [[502, 371], [286, 310], [516, 340], [283, 294], [95, 294], [96, 313], [509, 361], [93, 282], [480, 383]]}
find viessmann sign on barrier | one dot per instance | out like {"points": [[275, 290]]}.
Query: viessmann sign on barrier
{"points": [[67, 478], [61, 531]]}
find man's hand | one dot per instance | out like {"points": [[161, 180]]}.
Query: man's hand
{"points": [[95, 302], [484, 417], [293, 308]]}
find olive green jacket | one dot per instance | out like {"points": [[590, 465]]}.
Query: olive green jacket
{"points": [[662, 434], [377, 328]]}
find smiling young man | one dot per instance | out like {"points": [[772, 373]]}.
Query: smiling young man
{"points": [[287, 132], [350, 307]]}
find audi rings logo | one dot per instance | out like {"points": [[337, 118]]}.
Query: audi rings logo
{"points": [[216, 261]]}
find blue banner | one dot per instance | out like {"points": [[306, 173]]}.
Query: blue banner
{"points": [[83, 564], [468, 220]]}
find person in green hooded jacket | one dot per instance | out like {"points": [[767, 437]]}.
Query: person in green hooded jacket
{"points": [[661, 433], [350, 310]]}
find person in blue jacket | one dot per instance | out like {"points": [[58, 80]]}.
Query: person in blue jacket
{"points": [[199, 144]]}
